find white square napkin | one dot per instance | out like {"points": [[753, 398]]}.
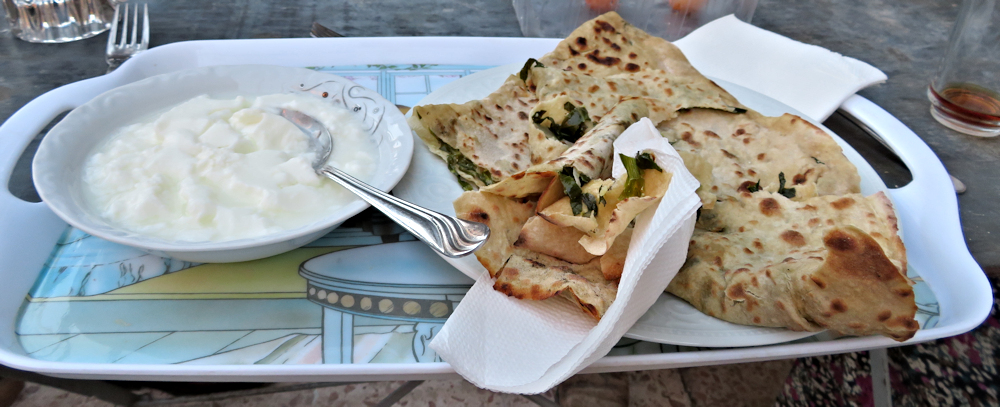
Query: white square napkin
{"points": [[811, 79]]}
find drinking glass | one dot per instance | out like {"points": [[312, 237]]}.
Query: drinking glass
{"points": [[668, 19], [58, 20], [963, 94]]}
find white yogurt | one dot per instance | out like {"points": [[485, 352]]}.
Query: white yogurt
{"points": [[218, 170]]}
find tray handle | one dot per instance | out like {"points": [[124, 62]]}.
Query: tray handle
{"points": [[30, 230], [934, 230], [28, 121]]}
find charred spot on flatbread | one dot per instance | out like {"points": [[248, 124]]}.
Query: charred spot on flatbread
{"points": [[838, 275]]}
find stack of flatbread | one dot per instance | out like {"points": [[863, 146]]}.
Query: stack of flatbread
{"points": [[784, 238]]}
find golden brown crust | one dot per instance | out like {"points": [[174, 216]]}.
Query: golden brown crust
{"points": [[536, 276], [858, 291], [829, 262], [600, 94], [504, 218]]}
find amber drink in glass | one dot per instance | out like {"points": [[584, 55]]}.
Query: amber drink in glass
{"points": [[964, 93]]}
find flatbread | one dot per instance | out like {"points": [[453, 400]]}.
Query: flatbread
{"points": [[590, 155], [806, 253], [829, 262], [609, 45], [613, 262], [535, 276], [600, 94], [743, 149], [492, 133], [616, 214], [541, 236], [504, 216]]}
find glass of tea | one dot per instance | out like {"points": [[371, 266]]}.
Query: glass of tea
{"points": [[964, 93]]}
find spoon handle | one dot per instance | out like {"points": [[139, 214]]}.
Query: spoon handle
{"points": [[447, 235]]}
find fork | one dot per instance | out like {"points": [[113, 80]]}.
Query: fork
{"points": [[124, 48], [320, 31]]}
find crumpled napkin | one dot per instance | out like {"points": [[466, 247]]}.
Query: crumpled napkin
{"points": [[811, 79], [504, 344]]}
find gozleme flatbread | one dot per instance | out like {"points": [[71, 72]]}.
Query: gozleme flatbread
{"points": [[535, 276], [613, 261], [600, 94], [609, 45], [483, 141], [744, 149], [783, 239], [614, 212], [562, 242], [590, 155], [828, 262], [504, 216], [533, 258]]}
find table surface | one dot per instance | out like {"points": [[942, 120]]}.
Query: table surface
{"points": [[903, 39]]}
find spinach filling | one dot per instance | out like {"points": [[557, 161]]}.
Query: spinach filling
{"points": [[583, 204], [531, 63], [635, 184], [572, 127], [787, 192], [459, 162]]}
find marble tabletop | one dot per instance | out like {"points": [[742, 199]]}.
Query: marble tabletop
{"points": [[903, 39]]}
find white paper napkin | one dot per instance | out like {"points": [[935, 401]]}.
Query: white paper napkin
{"points": [[811, 79], [508, 345]]}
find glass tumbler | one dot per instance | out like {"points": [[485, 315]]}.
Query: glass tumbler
{"points": [[964, 93], [668, 19], [54, 21]]}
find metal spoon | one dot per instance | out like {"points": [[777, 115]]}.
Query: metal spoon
{"points": [[447, 235]]}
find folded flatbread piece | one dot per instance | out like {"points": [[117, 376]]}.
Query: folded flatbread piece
{"points": [[590, 155], [609, 45], [483, 141], [828, 262], [535, 276], [743, 149], [600, 94], [504, 216]]}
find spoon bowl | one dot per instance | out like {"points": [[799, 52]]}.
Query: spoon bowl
{"points": [[445, 234]]}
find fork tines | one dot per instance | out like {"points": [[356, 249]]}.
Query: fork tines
{"points": [[122, 47]]}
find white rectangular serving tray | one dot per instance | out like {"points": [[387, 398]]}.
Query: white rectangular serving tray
{"points": [[927, 206]]}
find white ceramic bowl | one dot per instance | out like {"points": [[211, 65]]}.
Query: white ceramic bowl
{"points": [[58, 165]]}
